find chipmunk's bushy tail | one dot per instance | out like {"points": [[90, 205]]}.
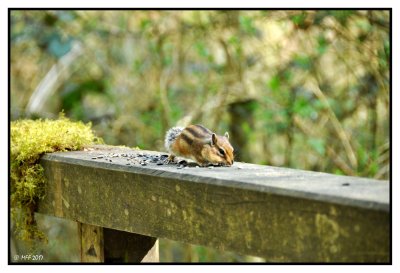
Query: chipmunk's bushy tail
{"points": [[171, 136]]}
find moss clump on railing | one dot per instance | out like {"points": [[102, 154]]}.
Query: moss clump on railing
{"points": [[30, 139]]}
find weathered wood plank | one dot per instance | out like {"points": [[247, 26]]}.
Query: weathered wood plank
{"points": [[276, 213]]}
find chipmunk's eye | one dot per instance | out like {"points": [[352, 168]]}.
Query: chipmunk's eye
{"points": [[221, 151]]}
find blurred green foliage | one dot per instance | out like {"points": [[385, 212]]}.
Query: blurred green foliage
{"points": [[301, 89]]}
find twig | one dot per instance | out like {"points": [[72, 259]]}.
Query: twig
{"points": [[339, 162], [53, 79], [338, 127]]}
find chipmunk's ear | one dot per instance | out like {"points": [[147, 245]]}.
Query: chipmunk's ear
{"points": [[226, 135], [214, 139]]}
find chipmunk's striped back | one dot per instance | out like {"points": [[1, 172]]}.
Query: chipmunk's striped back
{"points": [[196, 133]]}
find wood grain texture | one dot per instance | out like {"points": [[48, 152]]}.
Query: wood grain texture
{"points": [[281, 214]]}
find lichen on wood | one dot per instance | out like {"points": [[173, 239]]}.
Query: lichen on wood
{"points": [[30, 139]]}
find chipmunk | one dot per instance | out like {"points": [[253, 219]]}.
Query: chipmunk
{"points": [[200, 144]]}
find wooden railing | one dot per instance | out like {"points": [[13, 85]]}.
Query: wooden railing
{"points": [[282, 215]]}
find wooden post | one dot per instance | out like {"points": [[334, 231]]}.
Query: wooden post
{"points": [[91, 243], [103, 245]]}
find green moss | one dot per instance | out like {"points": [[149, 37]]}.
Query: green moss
{"points": [[30, 139]]}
